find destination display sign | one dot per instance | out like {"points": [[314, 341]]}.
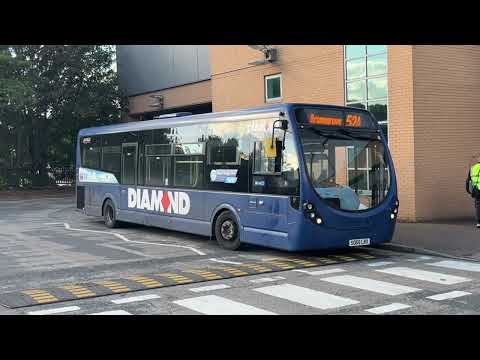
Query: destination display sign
{"points": [[335, 118]]}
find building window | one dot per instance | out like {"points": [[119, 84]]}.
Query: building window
{"points": [[273, 88], [366, 80]]}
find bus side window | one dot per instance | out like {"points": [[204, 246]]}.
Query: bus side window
{"points": [[158, 164], [91, 152], [112, 155]]}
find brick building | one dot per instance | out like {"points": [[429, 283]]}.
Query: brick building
{"points": [[425, 97]]}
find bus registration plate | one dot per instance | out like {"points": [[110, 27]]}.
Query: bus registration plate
{"points": [[359, 242]]}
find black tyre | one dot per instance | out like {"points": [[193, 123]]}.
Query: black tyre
{"points": [[227, 231], [109, 215]]}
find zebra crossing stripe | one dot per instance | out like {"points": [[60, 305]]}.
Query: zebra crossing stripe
{"points": [[423, 275], [377, 286], [387, 308], [449, 295], [306, 296], [267, 279], [54, 311], [380, 263], [135, 299], [321, 272], [458, 265], [112, 312], [210, 288], [217, 305]]}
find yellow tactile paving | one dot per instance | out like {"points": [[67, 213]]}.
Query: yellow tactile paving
{"points": [[257, 267], [231, 270], [280, 264], [145, 281], [78, 291], [205, 274], [303, 262], [180, 279], [114, 286], [345, 258], [40, 296], [364, 256]]}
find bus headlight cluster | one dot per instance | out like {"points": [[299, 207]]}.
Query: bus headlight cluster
{"points": [[395, 210], [312, 215]]}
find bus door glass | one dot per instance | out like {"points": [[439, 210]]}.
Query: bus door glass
{"points": [[129, 163]]}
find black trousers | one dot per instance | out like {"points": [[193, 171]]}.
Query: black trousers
{"points": [[477, 208]]}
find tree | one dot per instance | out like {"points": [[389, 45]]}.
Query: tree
{"points": [[15, 97], [66, 88]]}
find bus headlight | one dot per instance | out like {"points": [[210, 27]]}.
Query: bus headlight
{"points": [[392, 216], [309, 206], [395, 210], [312, 215], [318, 221]]}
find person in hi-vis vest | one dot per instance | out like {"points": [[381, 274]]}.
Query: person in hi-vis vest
{"points": [[473, 184]]}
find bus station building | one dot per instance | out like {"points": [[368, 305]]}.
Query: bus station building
{"points": [[425, 97]]}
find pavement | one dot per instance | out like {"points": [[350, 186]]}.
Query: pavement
{"points": [[47, 246], [458, 239]]}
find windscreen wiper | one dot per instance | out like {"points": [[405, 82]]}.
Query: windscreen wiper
{"points": [[354, 135], [333, 133]]}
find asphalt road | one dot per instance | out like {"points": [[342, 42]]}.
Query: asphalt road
{"points": [[45, 243]]}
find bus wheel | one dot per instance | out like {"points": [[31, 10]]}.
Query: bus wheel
{"points": [[227, 232], [109, 214]]}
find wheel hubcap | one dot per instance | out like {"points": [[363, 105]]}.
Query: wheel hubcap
{"points": [[228, 230]]}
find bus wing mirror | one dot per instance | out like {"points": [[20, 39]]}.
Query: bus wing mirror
{"points": [[283, 126]]}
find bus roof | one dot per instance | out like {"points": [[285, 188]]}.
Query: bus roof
{"points": [[194, 119]]}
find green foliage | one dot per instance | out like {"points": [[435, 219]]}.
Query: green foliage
{"points": [[48, 93]]}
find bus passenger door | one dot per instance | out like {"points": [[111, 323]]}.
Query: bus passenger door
{"points": [[265, 222], [129, 180]]}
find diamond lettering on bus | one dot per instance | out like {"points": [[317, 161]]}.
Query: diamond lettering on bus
{"points": [[166, 202], [171, 202]]}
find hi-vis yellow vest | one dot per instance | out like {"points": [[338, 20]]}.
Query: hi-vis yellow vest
{"points": [[475, 175]]}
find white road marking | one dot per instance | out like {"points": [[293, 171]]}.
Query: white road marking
{"points": [[210, 288], [420, 258], [135, 299], [54, 311], [458, 265], [53, 223], [124, 238], [267, 279], [113, 312], [217, 305], [305, 296], [381, 263], [387, 308], [321, 272], [430, 276], [449, 295], [225, 261], [381, 287]]}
